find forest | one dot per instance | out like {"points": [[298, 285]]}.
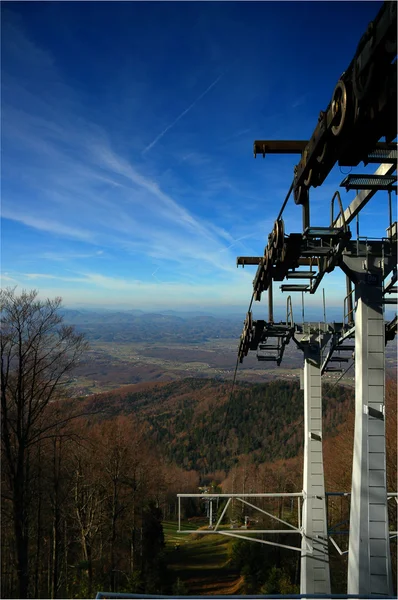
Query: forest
{"points": [[202, 427], [88, 483]]}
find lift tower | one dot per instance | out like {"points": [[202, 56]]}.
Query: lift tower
{"points": [[315, 574], [369, 559]]}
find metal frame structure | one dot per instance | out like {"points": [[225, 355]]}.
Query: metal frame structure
{"points": [[315, 574], [369, 560], [367, 264], [348, 132], [220, 529]]}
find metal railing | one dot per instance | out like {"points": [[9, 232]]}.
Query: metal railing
{"points": [[111, 595]]}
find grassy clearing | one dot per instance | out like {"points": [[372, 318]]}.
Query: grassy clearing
{"points": [[201, 562]]}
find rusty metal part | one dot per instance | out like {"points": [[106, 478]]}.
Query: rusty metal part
{"points": [[301, 194], [362, 109], [245, 338], [282, 255], [270, 304], [247, 260], [280, 233], [264, 147]]}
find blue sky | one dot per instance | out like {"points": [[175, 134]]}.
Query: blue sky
{"points": [[128, 177]]}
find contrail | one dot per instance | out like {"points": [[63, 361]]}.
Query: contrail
{"points": [[154, 275], [182, 114]]}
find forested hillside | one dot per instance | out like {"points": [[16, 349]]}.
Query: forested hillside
{"points": [[101, 485], [201, 427]]}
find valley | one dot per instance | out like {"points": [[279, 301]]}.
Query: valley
{"points": [[109, 365], [128, 348]]}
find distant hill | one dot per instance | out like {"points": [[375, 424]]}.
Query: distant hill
{"points": [[138, 326], [198, 426]]}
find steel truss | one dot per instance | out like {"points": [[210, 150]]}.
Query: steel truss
{"points": [[367, 264], [303, 259], [221, 528]]}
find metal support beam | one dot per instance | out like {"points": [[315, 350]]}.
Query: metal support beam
{"points": [[363, 197], [270, 304], [369, 559], [315, 574], [279, 147]]}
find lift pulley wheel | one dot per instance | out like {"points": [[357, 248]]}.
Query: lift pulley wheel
{"points": [[279, 232], [248, 321], [266, 259], [339, 107], [282, 253]]}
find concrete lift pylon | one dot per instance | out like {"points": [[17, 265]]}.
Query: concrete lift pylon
{"points": [[315, 572], [369, 557]]}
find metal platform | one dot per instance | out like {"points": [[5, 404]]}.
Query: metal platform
{"points": [[386, 153], [369, 182]]}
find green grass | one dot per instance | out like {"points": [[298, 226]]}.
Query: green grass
{"points": [[200, 561]]}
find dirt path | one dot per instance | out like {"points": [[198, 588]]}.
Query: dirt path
{"points": [[201, 562]]}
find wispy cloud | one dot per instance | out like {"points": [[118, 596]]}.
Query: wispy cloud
{"points": [[68, 256], [184, 112], [48, 225], [300, 100], [98, 287], [81, 184], [6, 277], [119, 204]]}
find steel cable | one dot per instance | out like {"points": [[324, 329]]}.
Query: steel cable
{"points": [[223, 439], [342, 375]]}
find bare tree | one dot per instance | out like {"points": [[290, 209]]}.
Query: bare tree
{"points": [[37, 354]]}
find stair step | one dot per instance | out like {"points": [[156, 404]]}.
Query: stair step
{"points": [[322, 232], [339, 359], [388, 154], [295, 288], [266, 347], [369, 182], [333, 370], [300, 275], [316, 251], [267, 358], [345, 349]]}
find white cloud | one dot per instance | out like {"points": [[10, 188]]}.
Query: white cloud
{"points": [[68, 256], [48, 225]]}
